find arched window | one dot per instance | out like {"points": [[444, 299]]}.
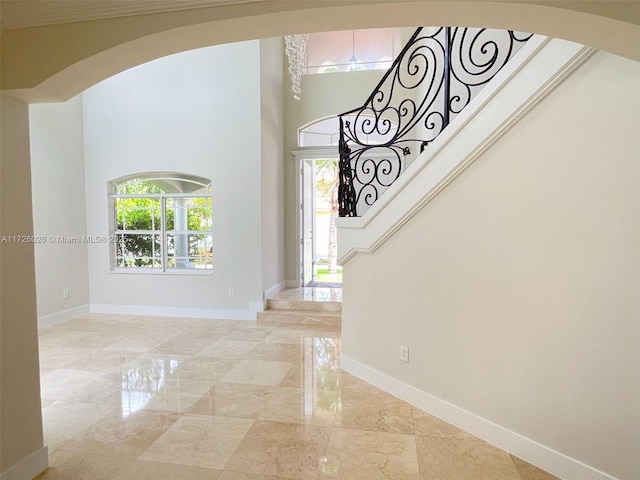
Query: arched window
{"points": [[161, 222], [325, 132]]}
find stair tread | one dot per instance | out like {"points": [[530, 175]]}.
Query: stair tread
{"points": [[308, 318], [304, 306], [281, 311]]}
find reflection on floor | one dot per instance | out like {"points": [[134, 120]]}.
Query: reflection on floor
{"points": [[128, 397], [318, 284], [314, 294]]}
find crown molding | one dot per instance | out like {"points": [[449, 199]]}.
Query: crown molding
{"points": [[37, 13]]}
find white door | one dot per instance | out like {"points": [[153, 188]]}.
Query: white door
{"points": [[308, 217]]}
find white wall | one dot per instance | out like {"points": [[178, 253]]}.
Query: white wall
{"points": [[197, 112], [516, 288], [273, 161], [59, 210], [22, 454]]}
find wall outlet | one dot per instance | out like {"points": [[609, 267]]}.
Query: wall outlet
{"points": [[232, 293], [65, 293], [404, 353]]}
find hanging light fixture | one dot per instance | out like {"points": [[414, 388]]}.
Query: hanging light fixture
{"points": [[296, 50], [353, 60]]}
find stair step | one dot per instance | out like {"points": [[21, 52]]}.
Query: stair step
{"points": [[304, 305], [306, 318]]}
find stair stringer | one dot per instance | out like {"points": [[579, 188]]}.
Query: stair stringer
{"points": [[539, 67]]}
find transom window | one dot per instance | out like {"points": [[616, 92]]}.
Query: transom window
{"points": [[162, 222], [351, 50]]}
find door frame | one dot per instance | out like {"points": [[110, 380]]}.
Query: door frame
{"points": [[304, 155]]}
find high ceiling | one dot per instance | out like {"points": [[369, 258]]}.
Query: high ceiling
{"points": [[31, 13]]}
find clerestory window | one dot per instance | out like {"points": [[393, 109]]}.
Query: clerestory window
{"points": [[352, 50], [162, 222]]}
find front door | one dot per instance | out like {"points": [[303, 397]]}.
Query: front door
{"points": [[308, 216]]}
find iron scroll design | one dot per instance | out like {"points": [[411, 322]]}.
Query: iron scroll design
{"points": [[433, 78]]}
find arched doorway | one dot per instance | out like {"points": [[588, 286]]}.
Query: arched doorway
{"points": [[53, 63], [53, 60]]}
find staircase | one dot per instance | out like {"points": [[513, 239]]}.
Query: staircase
{"points": [[291, 309], [536, 71], [434, 78]]}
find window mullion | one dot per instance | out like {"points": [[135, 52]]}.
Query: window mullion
{"points": [[163, 231]]}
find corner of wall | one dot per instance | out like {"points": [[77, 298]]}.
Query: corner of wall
{"points": [[30, 467]]}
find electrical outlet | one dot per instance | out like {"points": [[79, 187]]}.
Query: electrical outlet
{"points": [[232, 293], [65, 293], [404, 353]]}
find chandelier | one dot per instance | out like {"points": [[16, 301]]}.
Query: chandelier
{"points": [[295, 46]]}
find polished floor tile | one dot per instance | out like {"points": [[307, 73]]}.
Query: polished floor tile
{"points": [[65, 383], [278, 352], [122, 433], [361, 410], [315, 294], [282, 450], [297, 405], [228, 348], [529, 472], [144, 470], [370, 455], [464, 456], [65, 420], [234, 400], [257, 372], [429, 425], [199, 440], [228, 475], [136, 397], [66, 465]]}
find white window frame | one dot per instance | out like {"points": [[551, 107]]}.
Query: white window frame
{"points": [[163, 232]]}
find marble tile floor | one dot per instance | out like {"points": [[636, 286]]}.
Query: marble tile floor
{"points": [[316, 294], [132, 397]]}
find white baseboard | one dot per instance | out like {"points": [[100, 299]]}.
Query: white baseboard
{"points": [[276, 289], [60, 317], [29, 467], [543, 457], [183, 312]]}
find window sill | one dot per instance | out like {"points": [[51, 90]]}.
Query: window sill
{"points": [[198, 272]]}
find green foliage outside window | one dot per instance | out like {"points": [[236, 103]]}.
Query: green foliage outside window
{"points": [[140, 220]]}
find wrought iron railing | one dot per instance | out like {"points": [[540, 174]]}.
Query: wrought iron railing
{"points": [[435, 76]]}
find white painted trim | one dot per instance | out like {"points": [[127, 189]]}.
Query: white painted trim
{"points": [[226, 314], [29, 467], [538, 68], [522, 447], [316, 153], [60, 317], [99, 11], [301, 155], [182, 312], [276, 289]]}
